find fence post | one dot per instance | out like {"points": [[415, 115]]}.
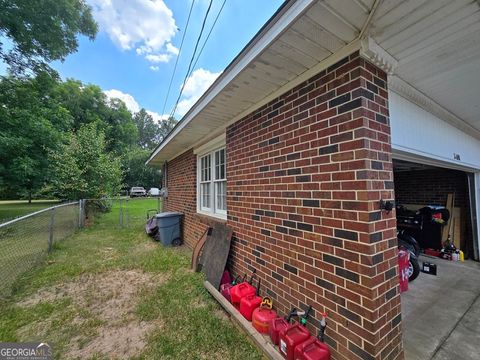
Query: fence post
{"points": [[79, 214], [52, 223], [126, 212], [120, 213]]}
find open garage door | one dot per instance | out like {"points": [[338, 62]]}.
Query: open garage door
{"points": [[422, 182]]}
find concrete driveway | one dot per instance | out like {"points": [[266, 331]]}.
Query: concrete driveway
{"points": [[441, 314]]}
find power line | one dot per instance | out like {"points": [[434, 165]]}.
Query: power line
{"points": [[192, 58], [208, 36], [178, 56]]}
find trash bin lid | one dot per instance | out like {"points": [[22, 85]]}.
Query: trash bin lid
{"points": [[168, 214]]}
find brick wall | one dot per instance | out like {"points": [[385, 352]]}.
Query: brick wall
{"points": [[431, 187], [182, 195], [305, 176]]}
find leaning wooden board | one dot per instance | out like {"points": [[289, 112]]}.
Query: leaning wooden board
{"points": [[449, 205], [215, 253], [457, 227]]}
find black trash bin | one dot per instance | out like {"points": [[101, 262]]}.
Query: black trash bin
{"points": [[169, 228]]}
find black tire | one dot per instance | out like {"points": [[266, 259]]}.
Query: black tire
{"points": [[413, 269], [177, 242]]}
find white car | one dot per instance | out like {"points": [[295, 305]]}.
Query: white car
{"points": [[154, 192], [137, 191]]}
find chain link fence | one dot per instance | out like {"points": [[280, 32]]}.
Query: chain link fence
{"points": [[119, 212], [25, 241]]}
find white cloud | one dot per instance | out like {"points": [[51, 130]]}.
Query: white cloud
{"points": [[147, 26], [156, 116], [172, 49], [157, 58], [132, 104], [128, 99], [154, 68], [195, 86]]}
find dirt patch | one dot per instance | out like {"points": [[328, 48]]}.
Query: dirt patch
{"points": [[145, 247], [221, 314], [117, 342], [108, 253], [111, 298]]}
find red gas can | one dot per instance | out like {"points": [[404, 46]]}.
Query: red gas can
{"points": [[263, 315], [294, 335], [226, 288], [278, 324], [250, 303], [262, 318], [312, 349], [290, 337], [403, 264], [241, 290]]}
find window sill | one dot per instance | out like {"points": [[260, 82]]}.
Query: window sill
{"points": [[211, 219]]}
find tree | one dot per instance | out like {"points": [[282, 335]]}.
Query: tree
{"points": [[31, 124], [82, 168], [38, 113], [137, 173], [88, 104], [39, 32], [165, 127], [119, 128], [148, 129]]}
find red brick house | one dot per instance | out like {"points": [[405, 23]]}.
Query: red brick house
{"points": [[293, 146]]}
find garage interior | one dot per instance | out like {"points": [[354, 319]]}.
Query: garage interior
{"points": [[440, 311], [419, 185]]}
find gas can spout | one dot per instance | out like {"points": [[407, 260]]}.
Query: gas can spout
{"points": [[323, 326], [291, 314]]}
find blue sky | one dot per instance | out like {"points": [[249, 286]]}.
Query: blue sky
{"points": [[135, 50]]}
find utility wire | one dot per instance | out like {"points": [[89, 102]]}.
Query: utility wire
{"points": [[208, 36], [192, 58], [178, 56]]}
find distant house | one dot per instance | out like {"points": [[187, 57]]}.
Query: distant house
{"points": [[299, 139]]}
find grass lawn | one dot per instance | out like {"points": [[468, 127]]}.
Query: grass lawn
{"points": [[108, 292], [14, 208]]}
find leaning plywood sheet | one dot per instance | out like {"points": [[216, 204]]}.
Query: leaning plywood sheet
{"points": [[215, 253]]}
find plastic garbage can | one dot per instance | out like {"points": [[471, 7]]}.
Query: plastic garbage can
{"points": [[169, 228]]}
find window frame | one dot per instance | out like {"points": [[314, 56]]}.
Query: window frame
{"points": [[211, 151]]}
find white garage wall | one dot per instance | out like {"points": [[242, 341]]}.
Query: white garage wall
{"points": [[416, 131]]}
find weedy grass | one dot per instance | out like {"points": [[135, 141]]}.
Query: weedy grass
{"points": [[109, 292]]}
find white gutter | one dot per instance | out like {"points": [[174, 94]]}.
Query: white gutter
{"points": [[294, 10]]}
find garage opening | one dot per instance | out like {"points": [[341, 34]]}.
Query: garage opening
{"points": [[438, 310], [422, 194]]}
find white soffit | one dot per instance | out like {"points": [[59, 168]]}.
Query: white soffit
{"points": [[437, 47], [303, 35]]}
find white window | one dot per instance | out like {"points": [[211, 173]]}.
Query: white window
{"points": [[212, 183]]}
